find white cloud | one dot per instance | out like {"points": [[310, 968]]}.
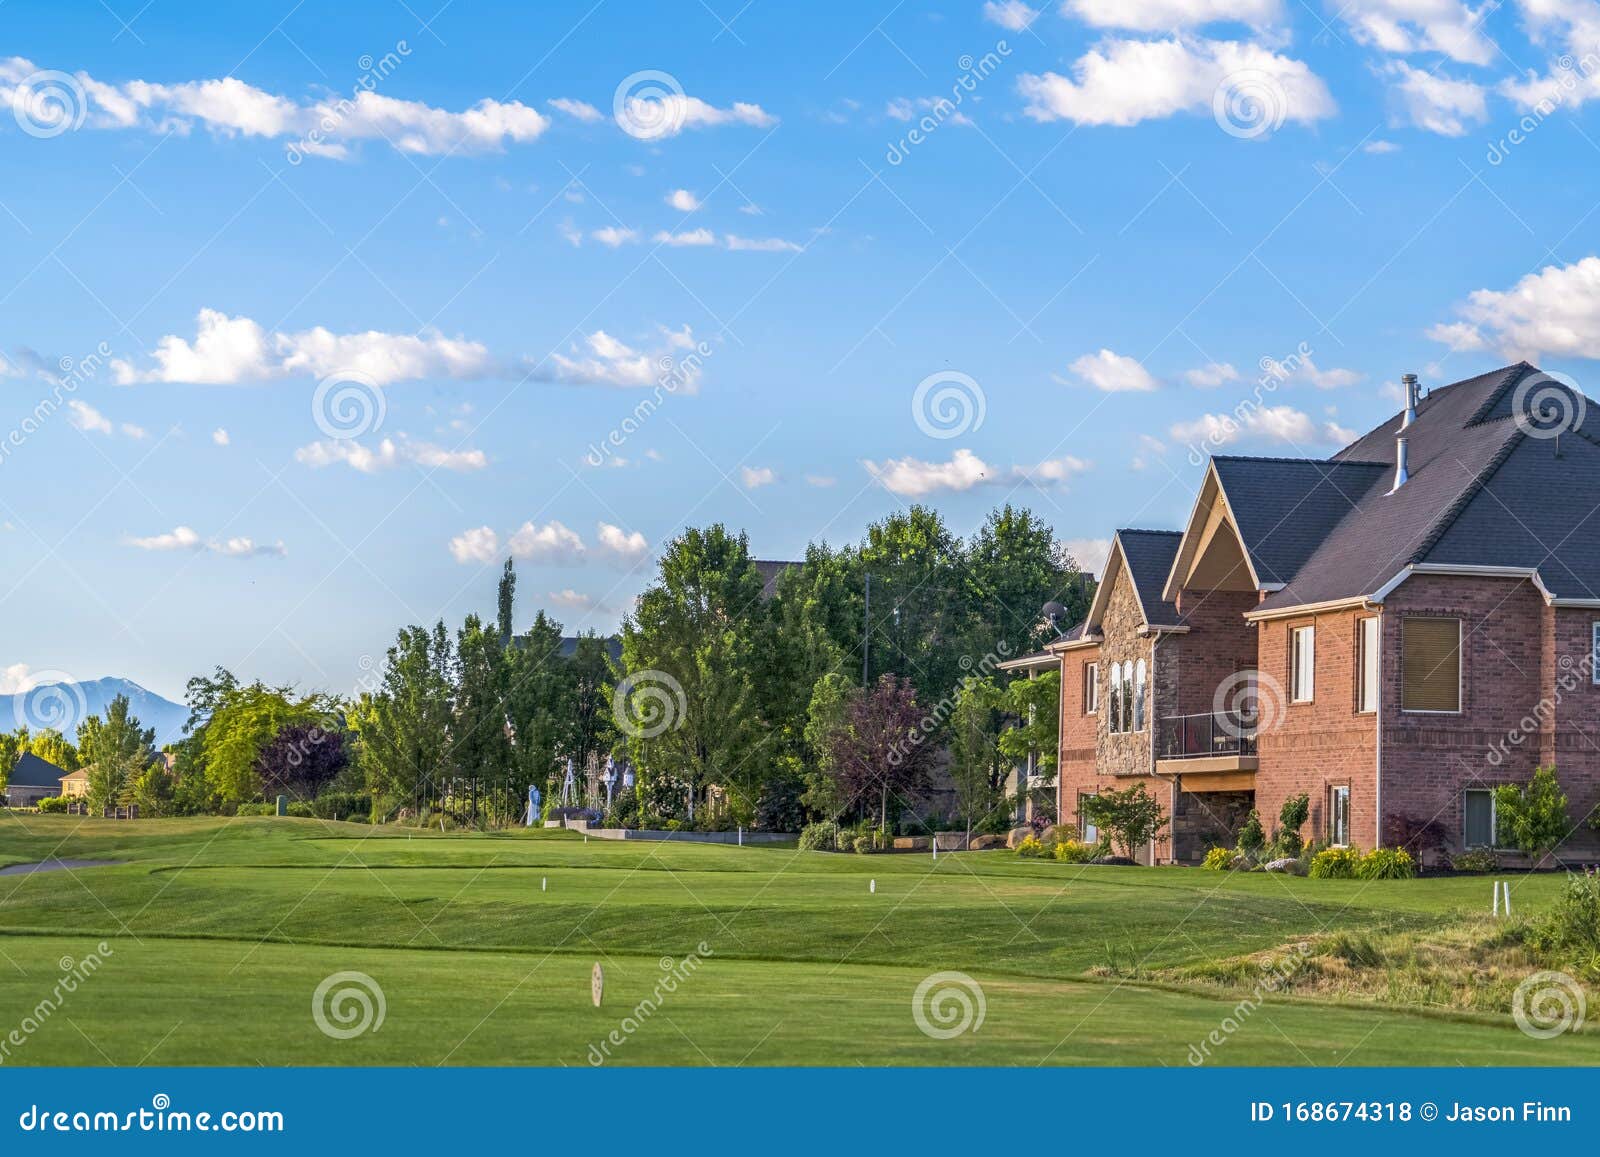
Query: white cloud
{"points": [[1211, 375], [578, 110], [1009, 14], [621, 545], [672, 113], [1435, 103], [129, 430], [16, 679], [615, 236], [1572, 26], [754, 477], [1554, 311], [228, 350], [1380, 147], [242, 547], [1404, 26], [914, 478], [86, 418], [480, 544], [1460, 336], [319, 127], [693, 237], [1283, 424], [942, 108], [683, 200], [185, 538], [760, 244], [572, 600], [1113, 372], [822, 481], [387, 454], [551, 543], [1123, 82], [220, 436], [179, 538], [1089, 553], [1164, 15], [603, 360], [1307, 370]]}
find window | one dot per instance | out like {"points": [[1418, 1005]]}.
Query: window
{"points": [[1303, 664], [1091, 688], [1138, 696], [1479, 820], [1594, 652], [1339, 814], [1430, 664], [1367, 665], [1090, 833], [1116, 697]]}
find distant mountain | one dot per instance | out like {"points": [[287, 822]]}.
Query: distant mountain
{"points": [[64, 706]]}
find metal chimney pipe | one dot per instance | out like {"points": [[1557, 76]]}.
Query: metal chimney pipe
{"points": [[1400, 472], [1409, 383]]}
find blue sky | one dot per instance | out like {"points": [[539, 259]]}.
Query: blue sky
{"points": [[348, 294]]}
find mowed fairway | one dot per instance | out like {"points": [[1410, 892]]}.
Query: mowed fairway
{"points": [[221, 931]]}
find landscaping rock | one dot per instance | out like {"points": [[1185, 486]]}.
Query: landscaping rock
{"points": [[984, 843], [1048, 837], [1289, 865], [911, 843], [1117, 861], [951, 841], [1016, 835]]}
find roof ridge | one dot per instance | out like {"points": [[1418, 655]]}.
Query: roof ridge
{"points": [[1449, 514], [1140, 530], [1511, 377]]}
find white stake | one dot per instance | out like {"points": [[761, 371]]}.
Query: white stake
{"points": [[1497, 898], [544, 883], [1508, 897], [741, 835], [872, 886]]}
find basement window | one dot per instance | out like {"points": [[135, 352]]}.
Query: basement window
{"points": [[1430, 665]]}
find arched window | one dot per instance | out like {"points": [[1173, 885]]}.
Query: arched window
{"points": [[1116, 697], [1138, 696]]}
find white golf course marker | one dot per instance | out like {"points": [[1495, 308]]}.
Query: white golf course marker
{"points": [[597, 983], [872, 886]]}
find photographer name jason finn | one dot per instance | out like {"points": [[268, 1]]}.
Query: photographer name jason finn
{"points": [[1454, 1113]]}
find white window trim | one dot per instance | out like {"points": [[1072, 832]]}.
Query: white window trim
{"points": [[1337, 787], [1084, 826], [1310, 632], [1461, 669], [1092, 688], [1377, 667]]}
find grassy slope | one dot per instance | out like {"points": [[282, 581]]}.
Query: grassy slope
{"points": [[481, 965]]}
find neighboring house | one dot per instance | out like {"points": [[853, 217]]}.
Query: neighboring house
{"points": [[1394, 631], [75, 784], [1023, 778], [33, 779]]}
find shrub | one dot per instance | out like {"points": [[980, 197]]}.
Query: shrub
{"points": [[1534, 818], [820, 837], [863, 844], [53, 803], [1387, 864], [1131, 817], [1571, 929], [1222, 860], [1075, 852], [1291, 818], [299, 809], [340, 805], [1251, 837], [673, 826], [1335, 864], [1477, 860], [1030, 848], [257, 809]]}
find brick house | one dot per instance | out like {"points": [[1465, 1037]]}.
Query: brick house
{"points": [[1394, 630]]}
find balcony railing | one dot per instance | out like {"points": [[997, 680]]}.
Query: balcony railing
{"points": [[1197, 736]]}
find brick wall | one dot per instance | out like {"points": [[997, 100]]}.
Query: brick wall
{"points": [[1312, 747], [1219, 644], [1076, 772]]}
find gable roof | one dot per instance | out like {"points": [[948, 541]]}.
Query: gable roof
{"points": [[32, 771], [1482, 468], [1147, 556]]}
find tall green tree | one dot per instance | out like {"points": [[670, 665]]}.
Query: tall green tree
{"points": [[245, 723], [505, 603], [974, 728], [539, 695], [13, 745], [116, 750], [480, 743], [404, 726], [51, 745]]}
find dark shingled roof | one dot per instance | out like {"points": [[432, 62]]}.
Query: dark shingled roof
{"points": [[31, 771], [1484, 489], [1286, 507], [771, 571], [1149, 554]]}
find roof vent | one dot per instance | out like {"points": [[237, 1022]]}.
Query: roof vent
{"points": [[1408, 382], [1400, 472]]}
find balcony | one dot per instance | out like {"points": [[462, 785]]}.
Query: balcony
{"points": [[1219, 746]]}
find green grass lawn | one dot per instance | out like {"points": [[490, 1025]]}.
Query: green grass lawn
{"points": [[220, 932]]}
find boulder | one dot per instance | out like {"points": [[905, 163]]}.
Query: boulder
{"points": [[984, 843], [951, 841], [1016, 835], [911, 843]]}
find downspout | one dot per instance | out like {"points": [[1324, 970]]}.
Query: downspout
{"points": [[1150, 734], [1377, 746]]}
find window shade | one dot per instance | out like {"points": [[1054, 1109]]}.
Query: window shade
{"points": [[1430, 664]]}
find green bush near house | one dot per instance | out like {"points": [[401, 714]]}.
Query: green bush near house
{"points": [[1534, 818], [1569, 933], [1477, 860], [257, 809], [1252, 839], [1387, 864], [863, 845], [1075, 852], [1223, 860], [820, 837], [53, 803], [1291, 818], [1336, 864]]}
